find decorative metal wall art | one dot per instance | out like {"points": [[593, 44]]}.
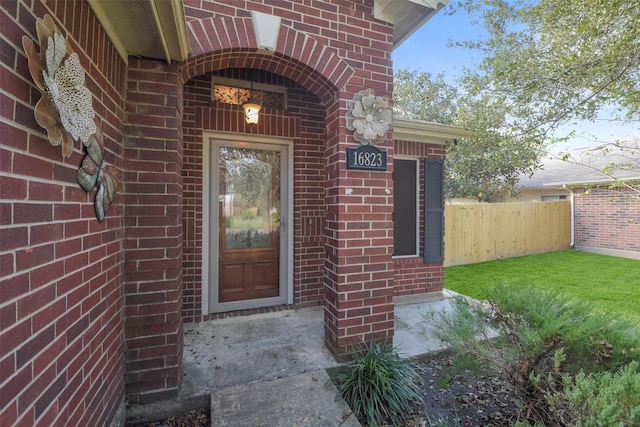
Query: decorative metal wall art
{"points": [[95, 172], [66, 111], [238, 96], [369, 117]]}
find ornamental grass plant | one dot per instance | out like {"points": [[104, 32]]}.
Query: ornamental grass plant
{"points": [[380, 386]]}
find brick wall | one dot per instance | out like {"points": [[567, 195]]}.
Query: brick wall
{"points": [[413, 275], [83, 302], [607, 218], [359, 244], [61, 349], [334, 50], [153, 219]]}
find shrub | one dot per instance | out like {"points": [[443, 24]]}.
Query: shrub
{"points": [[592, 342], [380, 386], [538, 341], [600, 399]]}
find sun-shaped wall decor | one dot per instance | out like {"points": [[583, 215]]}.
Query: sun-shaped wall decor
{"points": [[369, 117]]}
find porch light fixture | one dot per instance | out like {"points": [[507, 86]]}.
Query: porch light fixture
{"points": [[252, 109]]}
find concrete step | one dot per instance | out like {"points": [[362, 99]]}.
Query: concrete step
{"points": [[307, 399]]}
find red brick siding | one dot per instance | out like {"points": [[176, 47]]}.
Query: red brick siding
{"points": [[359, 243], [607, 218], [65, 277], [153, 218], [304, 45], [413, 275], [61, 352], [334, 49]]}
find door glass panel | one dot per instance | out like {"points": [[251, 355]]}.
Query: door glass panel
{"points": [[249, 186], [249, 198]]}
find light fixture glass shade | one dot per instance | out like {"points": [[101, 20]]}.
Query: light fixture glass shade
{"points": [[251, 111]]}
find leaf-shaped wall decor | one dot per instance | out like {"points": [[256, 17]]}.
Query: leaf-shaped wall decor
{"points": [[95, 172]]}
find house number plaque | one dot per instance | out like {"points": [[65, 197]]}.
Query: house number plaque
{"points": [[366, 157]]}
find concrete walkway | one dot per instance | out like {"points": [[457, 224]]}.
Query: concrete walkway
{"points": [[270, 369]]}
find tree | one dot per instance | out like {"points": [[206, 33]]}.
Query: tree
{"points": [[423, 96], [545, 64], [551, 63], [487, 165]]}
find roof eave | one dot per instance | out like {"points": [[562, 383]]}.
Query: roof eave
{"points": [[147, 28], [407, 16], [590, 182], [426, 132]]}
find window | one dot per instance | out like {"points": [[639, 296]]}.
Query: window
{"points": [[405, 207], [231, 91], [552, 198]]}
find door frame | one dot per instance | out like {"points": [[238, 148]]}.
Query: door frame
{"points": [[210, 303]]}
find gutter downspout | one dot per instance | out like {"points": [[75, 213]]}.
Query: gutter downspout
{"points": [[572, 244]]}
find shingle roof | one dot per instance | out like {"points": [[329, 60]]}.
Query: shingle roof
{"points": [[585, 167]]}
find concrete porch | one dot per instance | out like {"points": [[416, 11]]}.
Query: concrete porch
{"points": [[270, 369]]}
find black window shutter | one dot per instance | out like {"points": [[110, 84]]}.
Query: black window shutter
{"points": [[433, 210]]}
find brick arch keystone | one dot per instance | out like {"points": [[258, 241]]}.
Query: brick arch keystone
{"points": [[229, 42]]}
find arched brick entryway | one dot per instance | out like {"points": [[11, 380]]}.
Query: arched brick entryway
{"points": [[356, 225], [226, 42]]}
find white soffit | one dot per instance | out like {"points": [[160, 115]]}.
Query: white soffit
{"points": [[147, 28], [426, 132], [406, 15]]}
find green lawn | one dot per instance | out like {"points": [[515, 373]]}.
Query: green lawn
{"points": [[612, 284]]}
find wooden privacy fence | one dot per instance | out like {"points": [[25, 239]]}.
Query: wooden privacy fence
{"points": [[488, 231]]}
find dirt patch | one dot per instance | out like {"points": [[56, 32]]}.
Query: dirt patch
{"points": [[452, 396], [465, 398]]}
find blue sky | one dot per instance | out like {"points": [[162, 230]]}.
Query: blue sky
{"points": [[426, 50]]}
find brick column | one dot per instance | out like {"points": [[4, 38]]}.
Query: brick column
{"points": [[153, 221], [359, 242]]}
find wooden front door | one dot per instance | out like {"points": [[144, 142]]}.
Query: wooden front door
{"points": [[249, 223]]}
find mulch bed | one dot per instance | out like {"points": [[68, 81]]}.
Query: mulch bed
{"points": [[195, 418], [466, 398]]}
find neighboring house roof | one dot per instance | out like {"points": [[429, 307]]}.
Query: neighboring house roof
{"points": [[584, 167]]}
